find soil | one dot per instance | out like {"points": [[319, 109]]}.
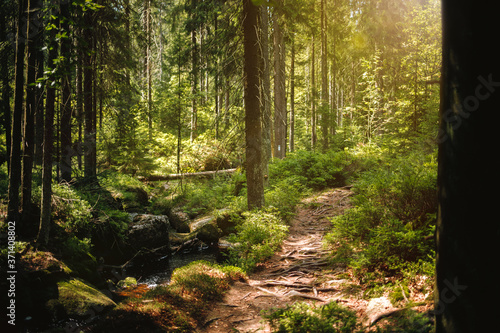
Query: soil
{"points": [[301, 271]]}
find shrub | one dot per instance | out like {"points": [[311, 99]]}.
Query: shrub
{"points": [[285, 196], [259, 236], [312, 169], [68, 209], [393, 212], [301, 317]]}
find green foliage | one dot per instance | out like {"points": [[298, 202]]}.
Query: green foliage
{"points": [[311, 169], [202, 196], [394, 209], [304, 318], [258, 236], [284, 196], [204, 279], [407, 321], [69, 210], [4, 179]]}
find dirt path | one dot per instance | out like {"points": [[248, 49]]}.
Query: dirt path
{"points": [[299, 272]]}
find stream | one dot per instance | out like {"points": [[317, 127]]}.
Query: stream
{"points": [[158, 271]]}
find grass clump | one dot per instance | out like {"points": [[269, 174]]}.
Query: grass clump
{"points": [[303, 318], [259, 235], [205, 280]]}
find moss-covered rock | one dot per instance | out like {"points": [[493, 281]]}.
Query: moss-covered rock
{"points": [[127, 282], [77, 299]]}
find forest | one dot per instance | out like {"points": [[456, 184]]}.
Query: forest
{"points": [[245, 165]]}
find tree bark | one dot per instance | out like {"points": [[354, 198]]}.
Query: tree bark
{"points": [[253, 129], [15, 153], [468, 228]]}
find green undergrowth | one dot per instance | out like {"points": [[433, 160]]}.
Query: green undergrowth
{"points": [[303, 318], [258, 237]]}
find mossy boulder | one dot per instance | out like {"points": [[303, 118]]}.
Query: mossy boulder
{"points": [[127, 282], [148, 231], [78, 299], [209, 234]]}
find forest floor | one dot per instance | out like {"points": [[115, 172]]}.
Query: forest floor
{"points": [[301, 271]]}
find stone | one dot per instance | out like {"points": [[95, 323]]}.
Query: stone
{"points": [[127, 282], [148, 231], [79, 299]]}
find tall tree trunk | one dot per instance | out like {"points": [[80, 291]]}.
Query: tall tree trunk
{"points": [[66, 110], [292, 98], [15, 153], [194, 81], [253, 128], [279, 84], [265, 96], [149, 71], [29, 109], [79, 96], [48, 143], [468, 228], [89, 143], [313, 97], [325, 107], [40, 93]]}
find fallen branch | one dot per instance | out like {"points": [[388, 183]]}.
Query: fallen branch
{"points": [[297, 294], [174, 176]]}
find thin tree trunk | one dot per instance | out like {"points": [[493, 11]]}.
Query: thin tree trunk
{"points": [[48, 146], [40, 95], [15, 153], [313, 97], [87, 98], [325, 108], [265, 97], [292, 98], [194, 86], [253, 128], [279, 84], [66, 111]]}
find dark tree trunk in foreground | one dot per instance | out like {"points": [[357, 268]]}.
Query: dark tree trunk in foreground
{"points": [[253, 128], [15, 153], [32, 44], [468, 229]]}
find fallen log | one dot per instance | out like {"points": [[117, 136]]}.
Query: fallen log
{"points": [[174, 176]]}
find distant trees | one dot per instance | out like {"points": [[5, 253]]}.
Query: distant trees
{"points": [[138, 85]]}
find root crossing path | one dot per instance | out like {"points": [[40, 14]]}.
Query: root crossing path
{"points": [[301, 271]]}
